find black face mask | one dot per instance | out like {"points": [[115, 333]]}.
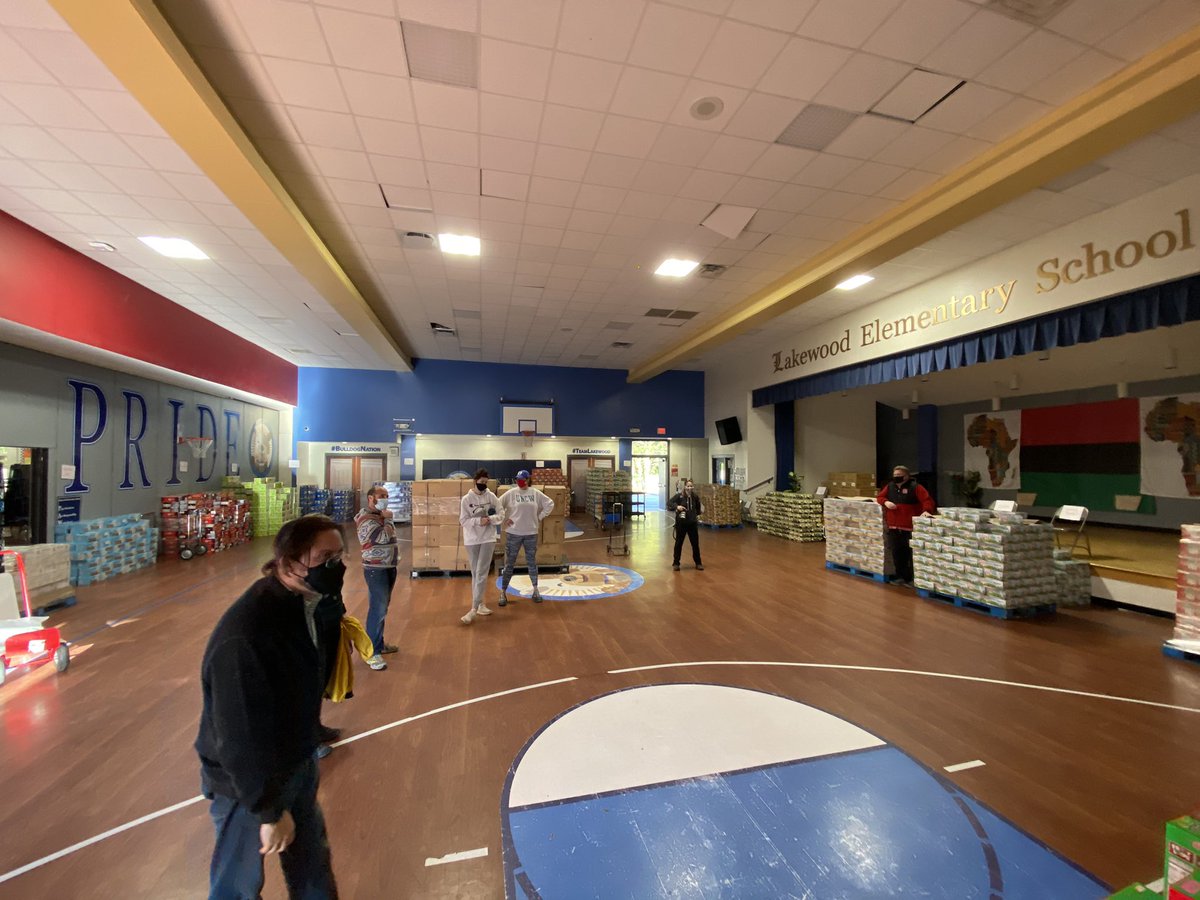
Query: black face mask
{"points": [[899, 479], [482, 485], [326, 579]]}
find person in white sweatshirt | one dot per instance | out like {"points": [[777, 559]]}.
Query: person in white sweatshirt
{"points": [[479, 515], [523, 509]]}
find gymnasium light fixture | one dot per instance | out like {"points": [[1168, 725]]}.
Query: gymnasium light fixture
{"points": [[1014, 383], [904, 414], [459, 244], [676, 268], [1122, 390], [995, 404], [856, 282], [175, 248]]}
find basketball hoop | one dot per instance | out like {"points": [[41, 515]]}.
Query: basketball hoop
{"points": [[199, 445], [528, 435]]}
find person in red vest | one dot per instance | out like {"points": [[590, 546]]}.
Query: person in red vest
{"points": [[904, 500]]}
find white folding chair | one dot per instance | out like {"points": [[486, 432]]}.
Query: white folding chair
{"points": [[1076, 517], [1003, 506]]}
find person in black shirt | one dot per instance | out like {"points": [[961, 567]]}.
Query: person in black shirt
{"points": [[687, 509], [263, 677]]}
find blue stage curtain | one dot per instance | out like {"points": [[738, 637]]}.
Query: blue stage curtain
{"points": [[1158, 306]]}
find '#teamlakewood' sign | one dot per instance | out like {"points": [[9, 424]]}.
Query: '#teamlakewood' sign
{"points": [[1099, 267]]}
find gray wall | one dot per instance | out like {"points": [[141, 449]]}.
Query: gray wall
{"points": [[37, 409], [1171, 511]]}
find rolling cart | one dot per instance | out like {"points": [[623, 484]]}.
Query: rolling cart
{"points": [[618, 544], [23, 639], [191, 543]]}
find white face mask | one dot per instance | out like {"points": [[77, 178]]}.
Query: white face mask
{"points": [[381, 503]]}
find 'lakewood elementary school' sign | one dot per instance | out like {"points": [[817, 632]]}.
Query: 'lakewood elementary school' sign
{"points": [[922, 325]]}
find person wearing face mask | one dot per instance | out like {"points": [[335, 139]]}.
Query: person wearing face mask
{"points": [[478, 515], [688, 509], [377, 536], [262, 680], [523, 509], [904, 500]]}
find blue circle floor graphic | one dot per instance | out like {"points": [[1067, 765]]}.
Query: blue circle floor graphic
{"points": [[585, 581]]}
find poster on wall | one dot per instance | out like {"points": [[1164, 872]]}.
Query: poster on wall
{"points": [[992, 447], [1170, 440]]}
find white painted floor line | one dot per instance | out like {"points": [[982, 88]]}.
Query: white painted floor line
{"points": [[976, 679], [1157, 886], [66, 851], [170, 809], [962, 767], [456, 857]]}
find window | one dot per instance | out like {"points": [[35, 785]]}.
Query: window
{"points": [[650, 448]]}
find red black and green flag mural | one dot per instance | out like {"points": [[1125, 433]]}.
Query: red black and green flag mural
{"points": [[1083, 454]]}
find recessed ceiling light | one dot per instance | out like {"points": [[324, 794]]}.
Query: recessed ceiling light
{"points": [[676, 268], [176, 248], [707, 108], [102, 245], [487, 435], [856, 282], [462, 245]]}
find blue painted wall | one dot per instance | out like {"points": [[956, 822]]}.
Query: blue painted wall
{"points": [[450, 397]]}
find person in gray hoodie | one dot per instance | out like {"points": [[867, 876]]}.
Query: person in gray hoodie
{"points": [[479, 515], [523, 509]]}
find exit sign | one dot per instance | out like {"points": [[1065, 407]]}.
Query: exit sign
{"points": [[662, 431]]}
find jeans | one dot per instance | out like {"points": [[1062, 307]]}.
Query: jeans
{"points": [[480, 556], [379, 591], [691, 530], [899, 539], [237, 867], [513, 543]]}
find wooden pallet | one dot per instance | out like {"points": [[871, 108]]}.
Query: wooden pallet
{"points": [[435, 573], [1180, 653], [715, 526], [557, 568], [996, 612], [861, 573]]}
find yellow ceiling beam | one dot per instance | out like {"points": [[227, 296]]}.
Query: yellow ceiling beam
{"points": [[1159, 89], [134, 41]]}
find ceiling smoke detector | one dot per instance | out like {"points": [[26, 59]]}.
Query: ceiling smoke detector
{"points": [[711, 270], [707, 108]]}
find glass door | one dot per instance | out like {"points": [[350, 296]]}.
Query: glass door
{"points": [[650, 472]]}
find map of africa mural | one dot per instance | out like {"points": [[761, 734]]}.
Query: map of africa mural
{"points": [[991, 447], [1171, 446]]}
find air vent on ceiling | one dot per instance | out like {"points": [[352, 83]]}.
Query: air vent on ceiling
{"points": [[658, 313], [441, 54], [441, 329], [622, 345], [618, 326], [711, 270], [467, 314], [816, 127], [684, 314], [1034, 12], [1079, 176]]}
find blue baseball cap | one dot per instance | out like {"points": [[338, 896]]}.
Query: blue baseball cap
{"points": [[523, 475]]}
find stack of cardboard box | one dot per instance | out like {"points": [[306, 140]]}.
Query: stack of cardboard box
{"points": [[856, 536], [1073, 578], [1187, 586], [436, 533], [722, 504], [272, 504], [102, 548], [796, 517], [850, 484], [549, 477], [47, 572]]}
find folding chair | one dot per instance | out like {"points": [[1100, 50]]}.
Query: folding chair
{"points": [[1003, 506], [1074, 515]]}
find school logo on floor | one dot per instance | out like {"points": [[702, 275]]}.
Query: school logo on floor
{"points": [[702, 790], [584, 581]]}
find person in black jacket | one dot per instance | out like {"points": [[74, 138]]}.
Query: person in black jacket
{"points": [[687, 509], [263, 677]]}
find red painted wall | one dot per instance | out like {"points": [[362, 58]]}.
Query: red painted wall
{"points": [[48, 286]]}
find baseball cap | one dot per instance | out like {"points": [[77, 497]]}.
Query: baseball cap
{"points": [[523, 475]]}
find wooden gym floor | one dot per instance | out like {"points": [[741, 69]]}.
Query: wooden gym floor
{"points": [[1088, 773]]}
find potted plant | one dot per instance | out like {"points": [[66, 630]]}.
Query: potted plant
{"points": [[967, 486], [795, 483]]}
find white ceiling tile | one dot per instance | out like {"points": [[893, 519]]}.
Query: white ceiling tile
{"points": [[163, 154], [547, 214], [684, 146], [388, 138], [594, 198], [462, 15], [916, 28], [54, 200], [582, 240], [380, 217], [1114, 187], [627, 137], [98, 147], [15, 173], [731, 98], [740, 54], [1010, 118], [1161, 24], [967, 107], [396, 170], [561, 162], [30, 142], [198, 189], [378, 96], [374, 7], [31, 14], [175, 211], [612, 171], [119, 111], [672, 39], [582, 81], [826, 170], [706, 185], [76, 177], [911, 148], [592, 222], [325, 129], [733, 154], [644, 204], [503, 210], [67, 58], [862, 82], [1091, 22], [446, 106], [870, 178], [764, 117], [236, 74], [644, 94], [684, 210], [1035, 59], [1072, 79], [51, 106], [506, 155], [565, 126], [867, 136], [510, 117], [605, 30], [514, 70], [847, 23], [541, 236], [505, 185], [662, 178], [10, 115], [782, 15], [17, 66], [283, 28], [350, 164], [113, 204], [984, 38], [524, 21], [752, 192], [1155, 158], [781, 163], [446, 146], [306, 84]]}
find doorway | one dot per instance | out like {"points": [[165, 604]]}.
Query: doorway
{"points": [[577, 469], [354, 473], [650, 472], [722, 469], [24, 479]]}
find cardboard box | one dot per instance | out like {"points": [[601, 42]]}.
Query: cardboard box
{"points": [[443, 488], [561, 497], [437, 536], [552, 531], [549, 555], [448, 558], [425, 557], [1181, 863]]}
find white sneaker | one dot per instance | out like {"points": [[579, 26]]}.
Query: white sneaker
{"points": [[468, 618], [483, 610], [376, 662]]}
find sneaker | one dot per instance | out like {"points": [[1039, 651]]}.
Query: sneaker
{"points": [[482, 610], [389, 648], [699, 568], [469, 618], [537, 598], [323, 750], [376, 662], [503, 599], [327, 735], [675, 567]]}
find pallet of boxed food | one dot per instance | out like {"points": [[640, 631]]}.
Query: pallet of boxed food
{"points": [[722, 505], [1073, 578], [436, 534], [102, 548], [552, 551], [272, 504], [222, 517], [47, 575], [313, 500], [795, 517], [856, 536], [608, 481], [341, 506], [548, 477], [399, 501], [1185, 643], [850, 484], [985, 559]]}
